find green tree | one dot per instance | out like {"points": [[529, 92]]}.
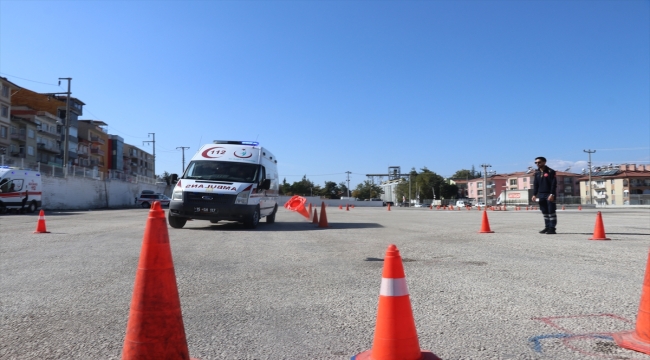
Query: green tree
{"points": [[367, 190], [330, 190], [343, 189], [285, 188], [466, 174], [426, 182], [305, 187]]}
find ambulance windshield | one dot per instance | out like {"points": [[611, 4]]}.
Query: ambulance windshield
{"points": [[222, 171]]}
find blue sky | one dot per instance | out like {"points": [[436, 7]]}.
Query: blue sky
{"points": [[335, 86]]}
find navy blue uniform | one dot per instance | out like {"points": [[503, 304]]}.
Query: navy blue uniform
{"points": [[545, 185]]}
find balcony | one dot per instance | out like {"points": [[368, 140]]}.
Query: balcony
{"points": [[18, 137], [598, 185], [17, 153], [97, 139], [93, 162], [101, 163], [600, 196], [567, 190], [97, 152], [45, 147]]}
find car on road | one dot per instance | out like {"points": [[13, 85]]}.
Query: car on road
{"points": [[146, 200], [481, 204]]}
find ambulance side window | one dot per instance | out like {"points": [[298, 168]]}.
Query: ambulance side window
{"points": [[18, 184], [262, 174]]}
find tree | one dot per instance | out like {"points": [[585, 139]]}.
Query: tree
{"points": [[330, 190], [367, 190], [426, 183], [466, 174], [285, 188], [343, 188]]}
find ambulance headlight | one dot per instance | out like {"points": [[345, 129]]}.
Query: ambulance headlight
{"points": [[177, 195], [242, 198]]}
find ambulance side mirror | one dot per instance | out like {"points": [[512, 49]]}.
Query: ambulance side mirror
{"points": [[173, 179], [266, 184]]}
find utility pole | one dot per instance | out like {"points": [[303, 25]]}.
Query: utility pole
{"points": [[348, 172], [591, 195], [67, 126], [183, 150], [485, 166], [154, 151]]}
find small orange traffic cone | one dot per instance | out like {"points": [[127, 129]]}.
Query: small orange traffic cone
{"points": [[639, 339], [40, 225], [155, 328], [563, 208], [485, 224], [580, 207], [309, 209], [352, 206], [395, 335], [297, 204], [322, 222], [340, 207], [347, 207], [599, 229], [388, 206], [315, 219]]}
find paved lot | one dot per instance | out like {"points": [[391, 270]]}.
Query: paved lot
{"points": [[290, 290]]}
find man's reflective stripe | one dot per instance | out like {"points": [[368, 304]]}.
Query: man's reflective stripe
{"points": [[393, 287]]}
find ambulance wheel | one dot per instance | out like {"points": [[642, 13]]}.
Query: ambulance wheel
{"points": [[270, 219], [32, 207], [145, 205], [3, 208], [176, 222], [214, 221], [253, 219]]}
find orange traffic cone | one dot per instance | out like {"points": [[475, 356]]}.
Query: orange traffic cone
{"points": [[155, 328], [40, 225], [563, 208], [388, 206], [309, 209], [347, 207], [352, 206], [579, 207], [322, 223], [297, 204], [340, 207], [639, 339], [485, 224], [599, 229], [395, 335], [315, 219]]}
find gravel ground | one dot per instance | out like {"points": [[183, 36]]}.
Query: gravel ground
{"points": [[290, 290]]}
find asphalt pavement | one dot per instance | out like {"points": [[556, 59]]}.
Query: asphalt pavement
{"points": [[291, 290]]}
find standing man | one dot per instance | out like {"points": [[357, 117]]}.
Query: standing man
{"points": [[545, 189]]}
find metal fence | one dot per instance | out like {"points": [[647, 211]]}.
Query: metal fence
{"points": [[56, 170]]}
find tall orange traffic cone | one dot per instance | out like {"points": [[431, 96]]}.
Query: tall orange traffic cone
{"points": [[599, 229], [40, 225], [395, 335], [297, 204], [315, 219], [322, 222], [485, 224], [639, 339], [155, 328]]}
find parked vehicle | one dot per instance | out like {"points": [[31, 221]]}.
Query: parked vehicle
{"points": [[480, 203], [227, 180], [146, 199], [20, 189]]}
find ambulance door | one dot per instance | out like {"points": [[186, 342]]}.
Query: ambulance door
{"points": [[264, 202]]}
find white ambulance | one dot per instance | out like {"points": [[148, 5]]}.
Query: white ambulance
{"points": [[20, 189], [227, 180]]}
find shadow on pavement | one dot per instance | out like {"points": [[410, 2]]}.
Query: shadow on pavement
{"points": [[284, 226]]}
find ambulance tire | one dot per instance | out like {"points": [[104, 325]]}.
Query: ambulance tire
{"points": [[145, 205], [3, 208], [176, 222], [253, 219], [270, 219], [32, 207]]}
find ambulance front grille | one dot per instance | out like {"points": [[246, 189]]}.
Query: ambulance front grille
{"points": [[209, 198]]}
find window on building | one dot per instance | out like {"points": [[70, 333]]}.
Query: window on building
{"points": [[479, 185], [30, 133], [612, 192], [611, 181], [480, 192], [4, 112], [3, 132], [513, 181], [525, 179], [5, 90], [567, 180], [30, 150]]}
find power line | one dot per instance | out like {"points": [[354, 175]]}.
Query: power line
{"points": [[34, 81]]}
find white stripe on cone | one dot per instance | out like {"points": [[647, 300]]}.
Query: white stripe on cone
{"points": [[393, 287]]}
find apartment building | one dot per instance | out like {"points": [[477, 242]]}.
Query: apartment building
{"points": [[7, 88], [54, 104], [48, 135], [625, 184], [137, 161], [93, 141], [567, 185]]}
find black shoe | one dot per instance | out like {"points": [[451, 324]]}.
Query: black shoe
{"points": [[544, 231], [550, 231]]}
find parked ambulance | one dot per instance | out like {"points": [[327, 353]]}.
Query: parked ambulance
{"points": [[20, 189], [227, 180]]}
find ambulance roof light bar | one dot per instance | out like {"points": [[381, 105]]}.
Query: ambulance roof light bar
{"points": [[235, 142]]}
